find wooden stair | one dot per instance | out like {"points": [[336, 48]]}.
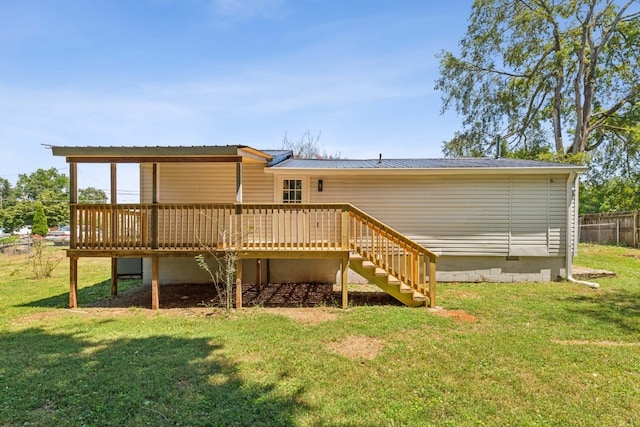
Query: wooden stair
{"points": [[388, 283]]}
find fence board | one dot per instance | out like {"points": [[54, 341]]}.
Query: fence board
{"points": [[616, 228]]}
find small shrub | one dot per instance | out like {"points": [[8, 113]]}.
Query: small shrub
{"points": [[39, 227], [42, 259]]}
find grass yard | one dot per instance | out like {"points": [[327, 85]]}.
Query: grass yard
{"points": [[552, 354]]}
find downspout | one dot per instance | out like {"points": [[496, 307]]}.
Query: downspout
{"points": [[572, 180]]}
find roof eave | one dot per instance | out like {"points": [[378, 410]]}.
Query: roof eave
{"points": [[431, 171]]}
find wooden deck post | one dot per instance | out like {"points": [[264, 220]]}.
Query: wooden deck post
{"points": [[154, 208], [114, 228], [114, 276], [155, 283], [432, 281], [344, 281], [239, 283], [73, 200], [73, 282], [344, 235]]}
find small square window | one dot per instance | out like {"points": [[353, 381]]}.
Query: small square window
{"points": [[292, 191]]}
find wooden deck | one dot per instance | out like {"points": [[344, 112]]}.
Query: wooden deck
{"points": [[253, 231]]}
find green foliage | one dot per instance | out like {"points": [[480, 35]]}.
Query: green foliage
{"points": [[47, 187], [612, 195], [569, 158], [92, 195], [18, 215], [39, 226], [31, 187], [546, 76], [7, 194]]}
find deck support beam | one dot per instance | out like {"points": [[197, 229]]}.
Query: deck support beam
{"points": [[259, 275], [344, 282], [114, 277], [239, 283], [155, 283], [73, 282]]}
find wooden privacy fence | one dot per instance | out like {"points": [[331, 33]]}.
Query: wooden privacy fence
{"points": [[617, 228]]}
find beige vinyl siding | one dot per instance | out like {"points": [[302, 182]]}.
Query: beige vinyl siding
{"points": [[501, 215], [206, 183], [197, 182], [557, 214], [257, 186], [146, 170], [529, 204]]}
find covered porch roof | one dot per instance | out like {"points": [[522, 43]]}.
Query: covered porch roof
{"points": [[163, 154]]}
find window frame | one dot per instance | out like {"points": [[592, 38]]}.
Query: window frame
{"points": [[303, 191]]}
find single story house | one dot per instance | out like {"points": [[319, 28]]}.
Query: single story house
{"points": [[311, 220]]}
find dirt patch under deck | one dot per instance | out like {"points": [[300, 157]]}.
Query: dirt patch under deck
{"points": [[273, 295]]}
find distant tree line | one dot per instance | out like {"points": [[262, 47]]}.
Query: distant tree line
{"points": [[45, 191]]}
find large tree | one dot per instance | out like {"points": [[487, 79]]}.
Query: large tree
{"points": [[30, 187], [559, 76]]}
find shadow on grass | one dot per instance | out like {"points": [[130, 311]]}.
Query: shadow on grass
{"points": [[620, 308], [62, 379], [86, 294]]}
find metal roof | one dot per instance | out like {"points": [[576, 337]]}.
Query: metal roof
{"points": [[279, 159], [201, 150], [446, 163], [278, 156]]}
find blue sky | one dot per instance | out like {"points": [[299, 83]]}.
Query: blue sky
{"points": [[218, 72]]}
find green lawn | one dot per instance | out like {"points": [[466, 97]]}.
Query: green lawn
{"points": [[553, 354]]}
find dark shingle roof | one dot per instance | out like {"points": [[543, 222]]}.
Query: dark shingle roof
{"points": [[448, 163]]}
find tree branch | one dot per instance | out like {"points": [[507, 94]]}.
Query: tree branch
{"points": [[604, 115], [492, 71]]}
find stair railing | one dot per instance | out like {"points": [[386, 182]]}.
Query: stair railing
{"points": [[391, 250]]}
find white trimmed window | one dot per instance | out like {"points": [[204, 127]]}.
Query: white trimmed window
{"points": [[291, 191]]}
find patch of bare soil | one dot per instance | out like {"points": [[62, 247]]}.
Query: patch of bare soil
{"points": [[597, 343], [273, 295], [305, 315], [457, 315], [355, 348]]}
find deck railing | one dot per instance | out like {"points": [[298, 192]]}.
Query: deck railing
{"points": [[214, 226], [274, 227], [390, 250]]}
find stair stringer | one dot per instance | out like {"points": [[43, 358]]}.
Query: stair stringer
{"points": [[411, 298]]}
